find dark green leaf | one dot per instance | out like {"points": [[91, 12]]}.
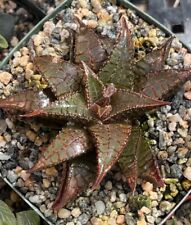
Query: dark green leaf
{"points": [[6, 215], [29, 217], [137, 160], [118, 69], [93, 86]]}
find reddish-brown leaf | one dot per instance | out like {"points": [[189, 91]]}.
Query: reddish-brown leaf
{"points": [[80, 174], [137, 160], [124, 101], [153, 61], [88, 48], [58, 201], [110, 142], [25, 101], [161, 84], [69, 143], [62, 76]]}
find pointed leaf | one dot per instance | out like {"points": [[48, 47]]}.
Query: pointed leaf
{"points": [[58, 200], [3, 42], [25, 101], [80, 174], [161, 84], [117, 69], [69, 143], [72, 106], [29, 217], [108, 44], [62, 76], [6, 214], [110, 142], [93, 86], [88, 48], [153, 61], [124, 101], [137, 160]]}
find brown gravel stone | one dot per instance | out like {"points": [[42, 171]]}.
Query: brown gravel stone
{"points": [[5, 77]]}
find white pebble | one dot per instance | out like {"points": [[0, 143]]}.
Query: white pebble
{"points": [[4, 156], [100, 207], [113, 196], [35, 199], [145, 210], [123, 197]]}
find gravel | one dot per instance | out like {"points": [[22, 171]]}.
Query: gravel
{"points": [[100, 207], [169, 130]]}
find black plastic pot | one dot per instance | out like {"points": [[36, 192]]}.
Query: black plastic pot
{"points": [[65, 4]]}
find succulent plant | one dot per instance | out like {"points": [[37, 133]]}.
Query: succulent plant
{"points": [[102, 91]]}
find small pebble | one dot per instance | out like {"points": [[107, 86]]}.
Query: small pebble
{"points": [[147, 186], [35, 199], [4, 156], [51, 171], [5, 77], [145, 210], [187, 173], [187, 60], [187, 95], [123, 197], [70, 223], [83, 218], [64, 213], [120, 219], [31, 135], [76, 212], [100, 207], [12, 176], [112, 221], [46, 183], [108, 185]]}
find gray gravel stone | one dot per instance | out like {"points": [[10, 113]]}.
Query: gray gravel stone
{"points": [[4, 156], [176, 171], [129, 219], [35, 199], [3, 126], [83, 218], [12, 177], [100, 207]]}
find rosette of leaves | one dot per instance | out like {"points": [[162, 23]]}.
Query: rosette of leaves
{"points": [[102, 90]]}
